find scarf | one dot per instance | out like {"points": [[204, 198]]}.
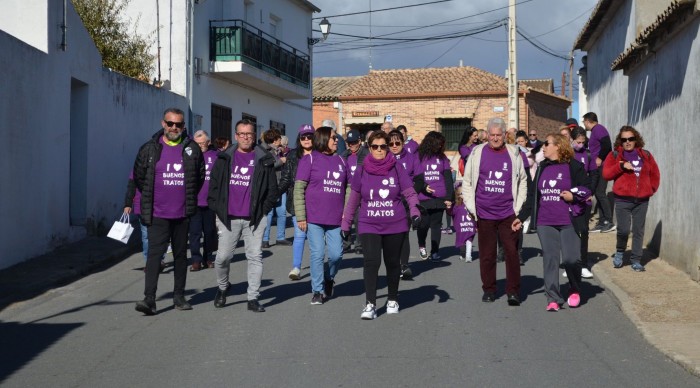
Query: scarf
{"points": [[378, 167]]}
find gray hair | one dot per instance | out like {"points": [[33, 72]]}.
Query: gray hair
{"points": [[496, 122], [284, 140], [201, 133], [328, 123]]}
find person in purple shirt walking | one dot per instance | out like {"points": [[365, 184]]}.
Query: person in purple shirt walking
{"points": [[600, 145], [321, 182], [409, 144], [435, 187], [405, 160], [354, 155], [465, 228], [204, 220], [583, 155], [556, 200], [378, 188], [494, 190], [169, 172], [242, 190]]}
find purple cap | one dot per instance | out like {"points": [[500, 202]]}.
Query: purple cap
{"points": [[306, 128]]}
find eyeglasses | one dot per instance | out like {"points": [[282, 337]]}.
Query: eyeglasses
{"points": [[179, 124], [378, 146], [308, 136], [628, 139], [245, 134], [546, 143], [533, 135], [394, 143], [356, 142]]}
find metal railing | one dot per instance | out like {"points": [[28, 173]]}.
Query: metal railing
{"points": [[236, 40]]}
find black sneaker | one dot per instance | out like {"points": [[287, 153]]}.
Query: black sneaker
{"points": [[513, 300], [406, 273], [255, 306], [180, 303], [317, 298], [608, 227], [328, 288], [265, 245], [220, 298], [488, 297], [596, 229], [147, 306], [283, 242]]}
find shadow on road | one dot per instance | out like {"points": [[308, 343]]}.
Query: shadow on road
{"points": [[424, 294]]}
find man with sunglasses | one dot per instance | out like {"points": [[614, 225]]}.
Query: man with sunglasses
{"points": [[533, 141], [242, 190], [600, 146], [169, 172], [354, 155]]}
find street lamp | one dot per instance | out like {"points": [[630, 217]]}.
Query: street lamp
{"points": [[325, 30]]}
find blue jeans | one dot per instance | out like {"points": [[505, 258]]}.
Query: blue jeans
{"points": [[320, 237], [144, 239], [281, 210], [298, 246]]}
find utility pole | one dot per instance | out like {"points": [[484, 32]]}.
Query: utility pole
{"points": [[513, 111], [571, 83]]}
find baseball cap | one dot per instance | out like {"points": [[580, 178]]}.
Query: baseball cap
{"points": [[353, 136], [306, 128], [571, 122], [328, 123]]}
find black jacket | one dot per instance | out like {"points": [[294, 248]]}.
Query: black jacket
{"points": [[579, 177], [145, 172], [264, 192], [289, 173], [361, 154]]}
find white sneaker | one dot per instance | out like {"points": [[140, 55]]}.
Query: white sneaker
{"points": [[468, 259], [294, 274], [586, 273], [369, 312], [563, 274], [423, 253], [392, 307]]}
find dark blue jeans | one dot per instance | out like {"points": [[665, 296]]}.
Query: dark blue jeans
{"points": [[202, 222]]}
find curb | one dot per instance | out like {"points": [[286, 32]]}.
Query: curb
{"points": [[624, 302]]}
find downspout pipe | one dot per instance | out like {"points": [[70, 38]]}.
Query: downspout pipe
{"points": [[64, 27]]}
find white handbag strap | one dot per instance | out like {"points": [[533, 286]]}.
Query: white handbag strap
{"points": [[124, 218]]}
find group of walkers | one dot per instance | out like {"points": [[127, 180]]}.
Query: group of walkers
{"points": [[369, 196]]}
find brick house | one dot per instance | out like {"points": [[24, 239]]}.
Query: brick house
{"points": [[444, 99]]}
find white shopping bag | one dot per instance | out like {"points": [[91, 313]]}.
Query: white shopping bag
{"points": [[121, 230]]}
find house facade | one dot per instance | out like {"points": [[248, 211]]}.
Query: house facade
{"points": [[443, 99], [641, 69], [233, 59]]}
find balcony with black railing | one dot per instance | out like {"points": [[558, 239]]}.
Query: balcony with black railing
{"points": [[238, 41]]}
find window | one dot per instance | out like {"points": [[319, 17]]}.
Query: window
{"points": [[278, 126], [275, 26], [453, 129], [220, 121]]}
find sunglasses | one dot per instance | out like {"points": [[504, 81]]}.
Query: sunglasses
{"points": [[394, 143], [178, 124], [533, 135], [378, 146], [628, 139], [245, 134], [546, 143], [306, 137], [354, 142]]}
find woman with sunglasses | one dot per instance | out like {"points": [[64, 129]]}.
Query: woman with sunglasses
{"points": [[636, 178], [435, 187], [377, 188], [289, 173], [321, 181], [404, 158], [555, 201], [581, 153]]}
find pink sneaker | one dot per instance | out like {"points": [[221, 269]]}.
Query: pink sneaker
{"points": [[553, 306], [574, 299]]}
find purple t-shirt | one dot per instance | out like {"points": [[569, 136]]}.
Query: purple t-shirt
{"points": [[352, 164], [585, 157], [494, 188], [381, 209], [597, 132], [635, 160], [553, 210], [239, 187], [169, 187], [465, 150], [432, 169], [464, 225], [209, 159], [411, 146], [325, 193], [406, 160]]}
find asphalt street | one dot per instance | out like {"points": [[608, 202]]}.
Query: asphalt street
{"points": [[87, 334]]}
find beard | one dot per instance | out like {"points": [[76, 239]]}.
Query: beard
{"points": [[172, 136]]}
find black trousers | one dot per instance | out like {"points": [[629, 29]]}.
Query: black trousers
{"points": [[600, 188], [203, 221], [373, 247], [161, 232], [433, 222]]}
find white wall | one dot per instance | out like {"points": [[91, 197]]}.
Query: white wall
{"points": [[660, 98], [121, 113]]}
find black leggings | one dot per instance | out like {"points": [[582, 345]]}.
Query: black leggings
{"points": [[432, 221], [373, 247]]}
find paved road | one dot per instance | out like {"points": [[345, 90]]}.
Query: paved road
{"points": [[88, 334]]}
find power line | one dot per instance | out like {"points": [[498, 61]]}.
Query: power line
{"points": [[541, 47], [380, 10], [446, 51]]}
